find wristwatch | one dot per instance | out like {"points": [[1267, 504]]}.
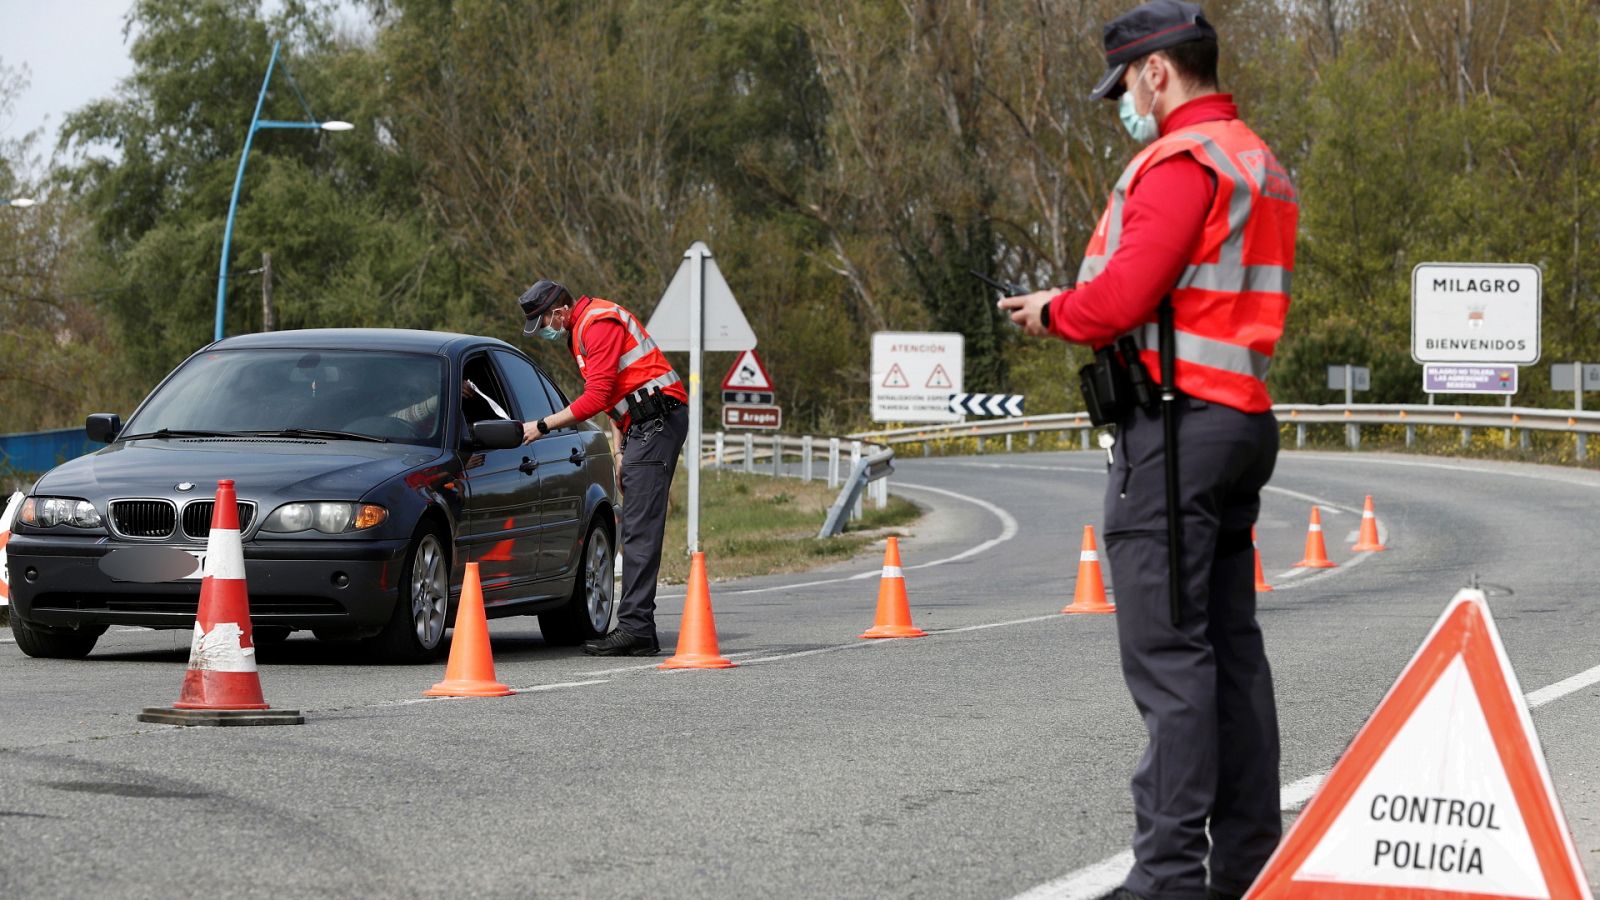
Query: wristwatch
{"points": [[1044, 316], [543, 428]]}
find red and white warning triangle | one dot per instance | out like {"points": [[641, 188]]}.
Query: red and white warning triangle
{"points": [[1443, 793]]}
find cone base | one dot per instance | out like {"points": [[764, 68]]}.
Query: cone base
{"points": [[1369, 548], [1315, 564], [1075, 609], [180, 716], [1263, 588], [894, 631], [468, 688], [697, 661]]}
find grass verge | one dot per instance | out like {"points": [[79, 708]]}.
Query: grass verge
{"points": [[760, 525]]}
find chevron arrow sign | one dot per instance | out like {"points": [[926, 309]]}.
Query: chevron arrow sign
{"points": [[986, 404]]}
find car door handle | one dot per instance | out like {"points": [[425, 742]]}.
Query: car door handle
{"points": [[528, 465], [575, 457]]}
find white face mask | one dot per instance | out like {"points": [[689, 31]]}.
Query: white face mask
{"points": [[1143, 129]]}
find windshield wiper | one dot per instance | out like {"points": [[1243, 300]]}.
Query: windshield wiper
{"points": [[182, 433], [321, 433]]}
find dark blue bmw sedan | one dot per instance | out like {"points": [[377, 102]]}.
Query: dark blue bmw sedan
{"points": [[371, 465]]}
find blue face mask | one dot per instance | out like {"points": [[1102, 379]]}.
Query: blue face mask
{"points": [[550, 332], [1143, 129]]}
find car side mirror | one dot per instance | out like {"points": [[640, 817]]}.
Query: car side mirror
{"points": [[103, 427], [496, 434]]}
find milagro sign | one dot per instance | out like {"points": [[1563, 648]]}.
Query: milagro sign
{"points": [[1475, 313]]}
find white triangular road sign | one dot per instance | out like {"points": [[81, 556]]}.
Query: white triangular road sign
{"points": [[747, 374], [724, 328], [1443, 793]]}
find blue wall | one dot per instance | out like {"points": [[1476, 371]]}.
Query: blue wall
{"points": [[41, 451]]}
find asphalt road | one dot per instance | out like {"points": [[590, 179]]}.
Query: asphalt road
{"points": [[986, 760]]}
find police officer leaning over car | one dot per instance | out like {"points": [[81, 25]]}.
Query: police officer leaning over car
{"points": [[629, 379], [1199, 232]]}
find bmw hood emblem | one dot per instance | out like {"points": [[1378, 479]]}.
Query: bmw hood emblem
{"points": [[185, 486]]}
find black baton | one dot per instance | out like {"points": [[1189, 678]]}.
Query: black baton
{"points": [[1169, 428]]}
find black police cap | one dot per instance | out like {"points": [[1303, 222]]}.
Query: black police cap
{"points": [[1136, 34], [537, 300]]}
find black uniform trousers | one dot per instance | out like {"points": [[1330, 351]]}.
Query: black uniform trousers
{"points": [[1204, 689], [649, 458]]}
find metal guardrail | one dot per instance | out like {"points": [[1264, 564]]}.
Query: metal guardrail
{"points": [[870, 463], [1579, 423]]}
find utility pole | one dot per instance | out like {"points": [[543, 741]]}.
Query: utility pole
{"points": [[267, 322]]}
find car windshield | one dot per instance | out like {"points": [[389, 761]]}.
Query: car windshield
{"points": [[365, 394]]}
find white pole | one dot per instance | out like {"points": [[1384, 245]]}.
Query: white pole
{"points": [[833, 462], [855, 459], [1577, 404], [722, 449], [805, 458], [697, 309]]}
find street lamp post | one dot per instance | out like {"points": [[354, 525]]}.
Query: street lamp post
{"points": [[256, 124]]}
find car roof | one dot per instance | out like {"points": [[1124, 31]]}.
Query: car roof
{"points": [[399, 339]]}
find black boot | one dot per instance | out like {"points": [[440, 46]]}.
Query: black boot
{"points": [[621, 643]]}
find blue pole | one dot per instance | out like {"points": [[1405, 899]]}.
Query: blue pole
{"points": [[233, 205]]}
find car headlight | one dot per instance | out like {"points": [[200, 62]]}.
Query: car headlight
{"points": [[326, 517], [48, 512]]}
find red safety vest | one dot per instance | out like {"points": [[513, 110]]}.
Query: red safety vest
{"points": [[642, 366], [1230, 303]]}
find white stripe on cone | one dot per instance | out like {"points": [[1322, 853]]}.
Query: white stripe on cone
{"points": [[221, 649], [1316, 528], [893, 572], [1088, 556], [224, 555]]}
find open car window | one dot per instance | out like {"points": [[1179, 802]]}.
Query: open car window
{"points": [[479, 405], [385, 395]]}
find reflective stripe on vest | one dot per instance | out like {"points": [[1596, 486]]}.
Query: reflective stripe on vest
{"points": [[641, 366], [1224, 345]]}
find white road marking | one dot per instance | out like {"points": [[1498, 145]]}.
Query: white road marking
{"points": [[1332, 508], [415, 700], [1098, 878], [1008, 530]]}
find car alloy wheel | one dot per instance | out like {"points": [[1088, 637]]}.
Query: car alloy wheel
{"points": [[430, 591], [599, 579]]}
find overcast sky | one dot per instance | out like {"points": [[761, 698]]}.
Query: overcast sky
{"points": [[74, 53]]}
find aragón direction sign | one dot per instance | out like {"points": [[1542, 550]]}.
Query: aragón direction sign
{"points": [[1475, 313]]}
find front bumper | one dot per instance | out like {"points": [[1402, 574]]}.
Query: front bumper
{"points": [[301, 584]]}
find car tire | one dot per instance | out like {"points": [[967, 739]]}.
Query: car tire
{"points": [[47, 643], [415, 631], [587, 613]]}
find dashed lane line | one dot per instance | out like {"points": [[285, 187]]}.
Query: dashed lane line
{"points": [[1098, 878]]}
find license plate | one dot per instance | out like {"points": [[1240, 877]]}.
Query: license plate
{"points": [[154, 565]]}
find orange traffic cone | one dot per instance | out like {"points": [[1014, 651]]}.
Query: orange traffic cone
{"points": [[1316, 551], [500, 552], [1090, 595], [894, 609], [470, 671], [1261, 580], [697, 635], [1368, 541], [221, 686]]}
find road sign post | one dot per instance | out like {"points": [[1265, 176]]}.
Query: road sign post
{"points": [[698, 313], [1352, 379]]}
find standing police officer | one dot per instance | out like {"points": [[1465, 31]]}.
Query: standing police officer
{"points": [[626, 376], [1202, 219]]}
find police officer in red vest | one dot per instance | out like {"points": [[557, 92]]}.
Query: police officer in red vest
{"points": [[629, 379], [1204, 218]]}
